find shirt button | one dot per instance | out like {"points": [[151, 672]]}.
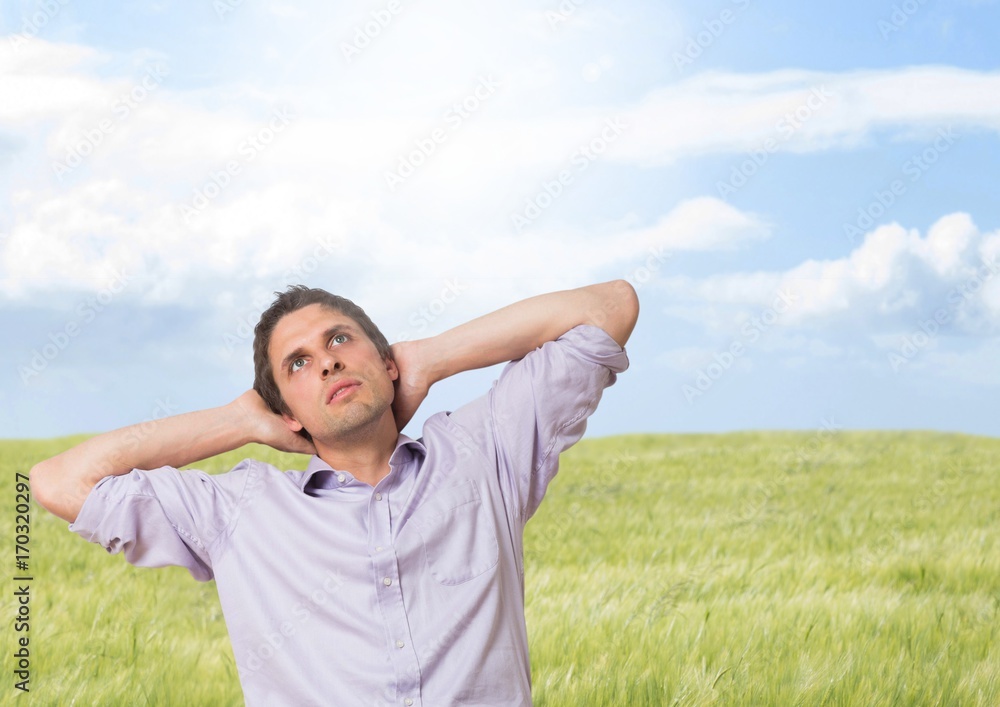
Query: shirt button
{"points": [[399, 644], [378, 497], [387, 581], [407, 702], [341, 478], [378, 548]]}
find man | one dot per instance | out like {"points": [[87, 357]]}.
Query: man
{"points": [[390, 571]]}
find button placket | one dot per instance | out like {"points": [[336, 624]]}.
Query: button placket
{"points": [[390, 598]]}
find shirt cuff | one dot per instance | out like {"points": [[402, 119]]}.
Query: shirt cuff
{"points": [[94, 509], [591, 343]]}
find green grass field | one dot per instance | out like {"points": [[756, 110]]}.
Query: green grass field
{"points": [[846, 568]]}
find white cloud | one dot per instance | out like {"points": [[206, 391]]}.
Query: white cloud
{"points": [[803, 111], [314, 180], [700, 224], [322, 177], [710, 112], [74, 239], [890, 281], [42, 81]]}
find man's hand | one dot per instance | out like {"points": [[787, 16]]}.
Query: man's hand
{"points": [[269, 428], [508, 334], [514, 331], [63, 483], [413, 382]]}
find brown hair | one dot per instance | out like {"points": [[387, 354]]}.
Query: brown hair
{"points": [[294, 298]]}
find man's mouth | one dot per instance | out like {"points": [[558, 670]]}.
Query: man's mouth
{"points": [[341, 390]]}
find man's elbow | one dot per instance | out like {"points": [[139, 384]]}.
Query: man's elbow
{"points": [[37, 482], [618, 310], [51, 494]]}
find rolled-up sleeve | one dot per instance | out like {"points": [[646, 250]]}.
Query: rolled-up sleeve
{"points": [[163, 516], [539, 407]]}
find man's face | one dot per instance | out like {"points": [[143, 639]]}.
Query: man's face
{"points": [[313, 352]]}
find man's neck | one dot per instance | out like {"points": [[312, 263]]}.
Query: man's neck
{"points": [[365, 454]]}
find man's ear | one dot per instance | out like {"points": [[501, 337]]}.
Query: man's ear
{"points": [[391, 369], [293, 424]]}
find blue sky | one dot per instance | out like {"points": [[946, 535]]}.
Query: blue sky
{"points": [[804, 196]]}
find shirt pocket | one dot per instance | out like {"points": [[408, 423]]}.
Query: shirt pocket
{"points": [[457, 534]]}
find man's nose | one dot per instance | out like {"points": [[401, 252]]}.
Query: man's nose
{"points": [[330, 363]]}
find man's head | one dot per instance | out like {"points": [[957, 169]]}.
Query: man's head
{"points": [[294, 362]]}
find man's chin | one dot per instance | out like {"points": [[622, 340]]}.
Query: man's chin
{"points": [[352, 428]]}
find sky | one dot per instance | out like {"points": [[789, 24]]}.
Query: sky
{"points": [[805, 198]]}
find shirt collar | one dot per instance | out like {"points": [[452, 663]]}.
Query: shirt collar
{"points": [[406, 450]]}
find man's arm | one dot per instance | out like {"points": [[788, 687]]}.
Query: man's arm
{"points": [[61, 484], [508, 334]]}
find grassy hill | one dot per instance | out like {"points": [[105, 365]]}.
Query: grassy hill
{"points": [[834, 568]]}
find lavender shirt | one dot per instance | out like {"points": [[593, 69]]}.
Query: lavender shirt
{"points": [[408, 593]]}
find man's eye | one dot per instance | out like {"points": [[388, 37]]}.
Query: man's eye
{"points": [[339, 336], [294, 367]]}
